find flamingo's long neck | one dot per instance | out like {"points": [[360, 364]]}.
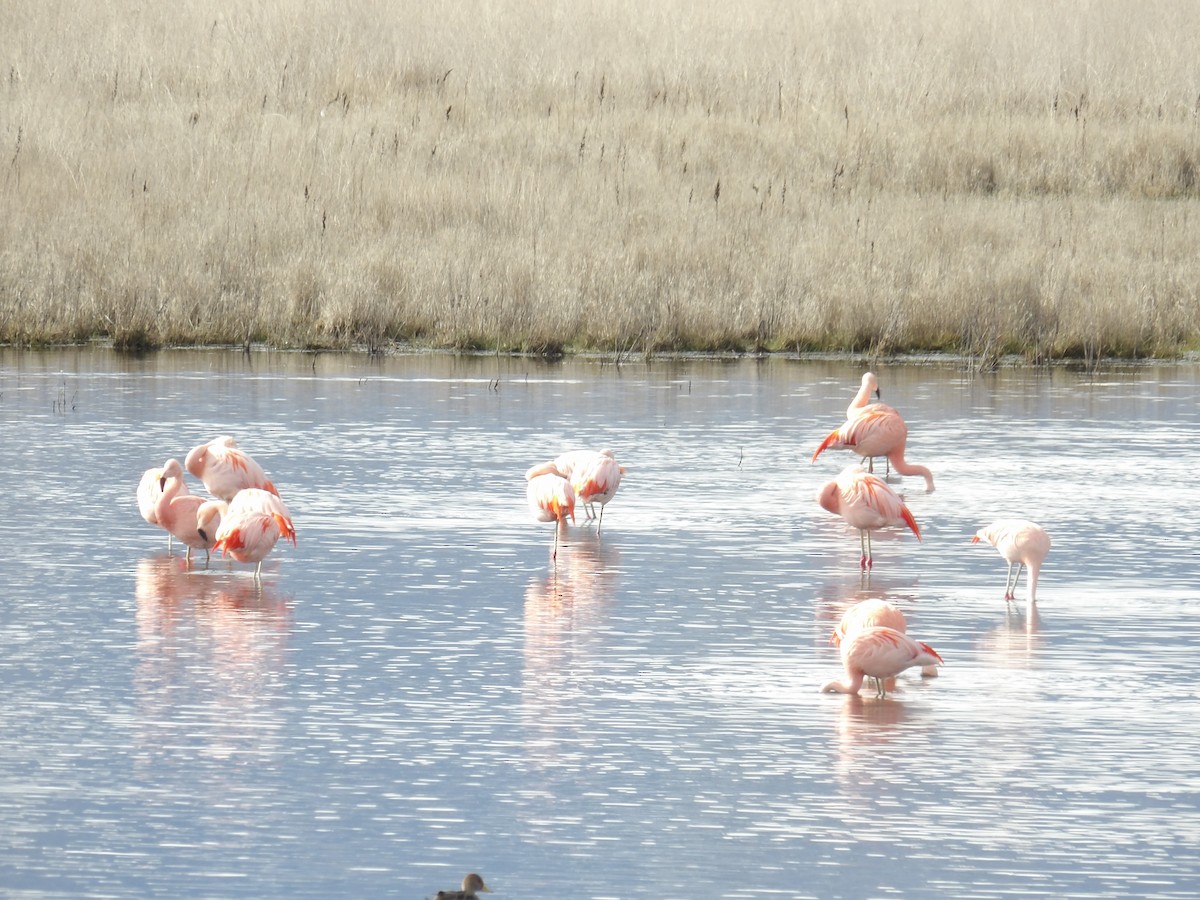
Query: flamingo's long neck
{"points": [[906, 468], [851, 686], [1033, 578]]}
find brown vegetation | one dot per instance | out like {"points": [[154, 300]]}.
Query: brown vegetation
{"points": [[865, 175]]}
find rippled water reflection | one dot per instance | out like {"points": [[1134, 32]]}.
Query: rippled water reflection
{"points": [[416, 690]]}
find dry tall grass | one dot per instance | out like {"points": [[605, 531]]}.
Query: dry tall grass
{"points": [[1005, 175]]}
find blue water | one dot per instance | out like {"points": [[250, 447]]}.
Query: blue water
{"points": [[417, 690]]}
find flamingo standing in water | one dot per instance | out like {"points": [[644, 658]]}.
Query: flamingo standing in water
{"points": [[551, 499], [881, 653], [252, 525], [595, 476], [869, 614], [866, 502], [1023, 544], [225, 469], [176, 510], [149, 489], [874, 429]]}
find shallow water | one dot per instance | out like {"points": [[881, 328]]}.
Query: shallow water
{"points": [[417, 690]]}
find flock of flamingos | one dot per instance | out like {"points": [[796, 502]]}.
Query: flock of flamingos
{"points": [[872, 634], [245, 518]]}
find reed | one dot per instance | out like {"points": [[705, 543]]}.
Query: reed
{"points": [[532, 176]]}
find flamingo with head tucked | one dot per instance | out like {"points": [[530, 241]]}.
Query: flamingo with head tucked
{"points": [[251, 526], [176, 510], [866, 502], [880, 653], [1023, 544], [595, 476], [149, 489], [225, 469], [551, 499]]}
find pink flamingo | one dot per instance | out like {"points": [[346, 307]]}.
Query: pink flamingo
{"points": [[208, 518], [595, 476], [253, 522], [880, 653], [148, 491], [866, 502], [868, 388], [225, 469], [176, 510], [868, 614], [551, 499], [1021, 542], [874, 429]]}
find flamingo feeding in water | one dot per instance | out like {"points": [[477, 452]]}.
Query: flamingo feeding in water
{"points": [[869, 614], [866, 502], [225, 469], [471, 885], [1023, 544], [551, 499], [874, 429], [880, 653]]}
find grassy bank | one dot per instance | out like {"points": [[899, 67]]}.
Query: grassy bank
{"points": [[988, 178]]}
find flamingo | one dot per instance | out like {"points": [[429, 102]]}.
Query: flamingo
{"points": [[225, 469], [874, 429], [252, 525], [881, 653], [868, 614], [176, 510], [866, 502], [595, 476], [1023, 544], [551, 499], [148, 491], [867, 389], [208, 518], [471, 885]]}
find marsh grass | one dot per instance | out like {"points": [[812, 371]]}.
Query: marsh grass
{"points": [[871, 176]]}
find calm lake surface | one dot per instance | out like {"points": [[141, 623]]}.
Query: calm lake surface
{"points": [[417, 690]]}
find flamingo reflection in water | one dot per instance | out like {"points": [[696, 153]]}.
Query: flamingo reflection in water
{"points": [[211, 654], [863, 728], [1015, 642], [565, 613]]}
